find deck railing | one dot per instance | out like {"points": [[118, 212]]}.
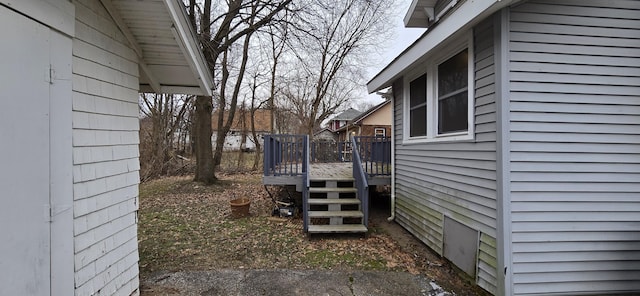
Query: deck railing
{"points": [[330, 151], [360, 179], [284, 155], [288, 155], [374, 153], [291, 155]]}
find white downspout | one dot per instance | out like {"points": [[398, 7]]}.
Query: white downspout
{"points": [[393, 162]]}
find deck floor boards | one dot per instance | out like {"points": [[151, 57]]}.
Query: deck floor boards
{"points": [[332, 170], [324, 171]]}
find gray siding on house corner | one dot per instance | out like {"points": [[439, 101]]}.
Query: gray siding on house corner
{"points": [[575, 146], [457, 179]]}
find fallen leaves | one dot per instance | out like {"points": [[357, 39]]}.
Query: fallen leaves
{"points": [[187, 226]]}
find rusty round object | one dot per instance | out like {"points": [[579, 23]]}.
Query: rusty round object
{"points": [[240, 207]]}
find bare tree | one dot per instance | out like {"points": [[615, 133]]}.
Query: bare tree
{"points": [[243, 131], [363, 105], [162, 117], [240, 20], [277, 48], [332, 40], [256, 104], [202, 140]]}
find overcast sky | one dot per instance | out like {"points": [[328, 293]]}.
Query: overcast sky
{"points": [[403, 38]]}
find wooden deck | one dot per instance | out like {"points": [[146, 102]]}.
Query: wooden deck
{"points": [[331, 171], [324, 171], [331, 192]]}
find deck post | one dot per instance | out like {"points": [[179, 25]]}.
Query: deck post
{"points": [[267, 155], [305, 183]]}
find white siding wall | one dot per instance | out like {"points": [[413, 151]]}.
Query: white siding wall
{"points": [[575, 141], [105, 155], [457, 179], [233, 140]]}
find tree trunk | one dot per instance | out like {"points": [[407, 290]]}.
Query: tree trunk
{"points": [[224, 129], [205, 171], [243, 136], [254, 136], [221, 135]]}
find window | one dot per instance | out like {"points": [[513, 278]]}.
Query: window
{"points": [[380, 132], [452, 94], [439, 97], [418, 106]]}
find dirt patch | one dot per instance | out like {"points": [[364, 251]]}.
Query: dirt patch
{"points": [[186, 226]]}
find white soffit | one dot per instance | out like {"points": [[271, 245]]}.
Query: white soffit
{"points": [[171, 60], [461, 18], [418, 13]]}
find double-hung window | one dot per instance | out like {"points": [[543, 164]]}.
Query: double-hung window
{"points": [[439, 101], [453, 91], [418, 106]]}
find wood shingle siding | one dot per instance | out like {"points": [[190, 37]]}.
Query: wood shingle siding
{"points": [[457, 179], [105, 155], [575, 146]]}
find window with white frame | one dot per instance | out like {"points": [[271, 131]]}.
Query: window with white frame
{"points": [[439, 101], [380, 132], [418, 106]]}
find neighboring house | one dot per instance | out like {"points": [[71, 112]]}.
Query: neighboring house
{"points": [[342, 119], [239, 135], [70, 77], [325, 134], [517, 142], [374, 122]]}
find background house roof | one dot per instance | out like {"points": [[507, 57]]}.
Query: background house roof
{"points": [[323, 130], [371, 110], [170, 57], [349, 114]]}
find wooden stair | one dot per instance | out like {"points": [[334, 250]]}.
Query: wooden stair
{"points": [[334, 207]]}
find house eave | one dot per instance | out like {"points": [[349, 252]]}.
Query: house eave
{"points": [[419, 14], [460, 19], [169, 55], [190, 46]]}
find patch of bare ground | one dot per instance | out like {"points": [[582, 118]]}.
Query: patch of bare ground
{"points": [[187, 226]]}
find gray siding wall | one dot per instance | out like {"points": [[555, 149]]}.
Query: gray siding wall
{"points": [[105, 155], [575, 146], [457, 179]]}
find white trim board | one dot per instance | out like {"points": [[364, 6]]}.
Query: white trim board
{"points": [[429, 67], [462, 18]]}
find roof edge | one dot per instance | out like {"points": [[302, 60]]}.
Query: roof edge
{"points": [[187, 40], [467, 13]]}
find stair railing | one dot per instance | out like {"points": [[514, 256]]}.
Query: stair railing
{"points": [[361, 182], [306, 182]]}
